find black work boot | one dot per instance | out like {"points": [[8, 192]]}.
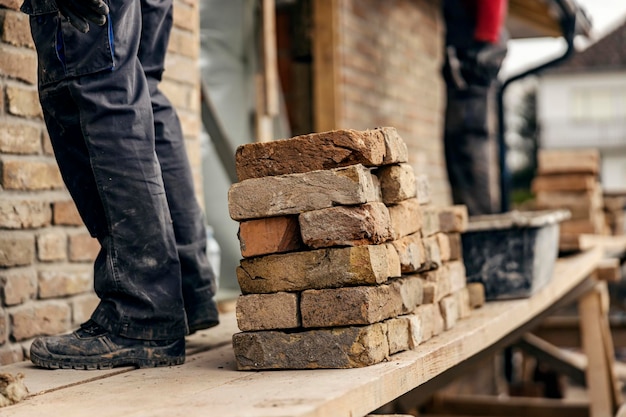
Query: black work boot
{"points": [[202, 317], [92, 347]]}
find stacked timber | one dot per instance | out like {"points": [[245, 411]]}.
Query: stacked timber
{"points": [[614, 204], [569, 179], [345, 260]]}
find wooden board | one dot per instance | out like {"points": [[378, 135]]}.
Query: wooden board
{"points": [[209, 384]]}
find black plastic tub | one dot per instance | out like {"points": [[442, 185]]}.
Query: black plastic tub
{"points": [[512, 254]]}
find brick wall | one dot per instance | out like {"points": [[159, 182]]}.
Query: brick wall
{"points": [[46, 254], [389, 60]]}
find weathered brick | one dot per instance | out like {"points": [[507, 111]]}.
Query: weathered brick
{"points": [[397, 183], [393, 262], [65, 213], [11, 4], [463, 301], [11, 354], [183, 42], [83, 306], [416, 331], [317, 151], [439, 324], [186, 17], [14, 29], [449, 308], [270, 235], [476, 294], [398, 334], [424, 322], [42, 318], [296, 193], [406, 218], [349, 306], [430, 222], [445, 250], [180, 95], [456, 247], [23, 102], [18, 285], [423, 189], [432, 254], [436, 285], [456, 273], [268, 311], [453, 219], [19, 138], [365, 224], [410, 289], [410, 251], [4, 327], [345, 347], [316, 269], [26, 174], [52, 246], [46, 144], [63, 281], [16, 249], [82, 247], [396, 151], [21, 213], [181, 69], [19, 64]]}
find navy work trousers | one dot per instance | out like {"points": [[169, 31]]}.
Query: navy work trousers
{"points": [[120, 150]]}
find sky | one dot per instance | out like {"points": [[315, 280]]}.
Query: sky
{"points": [[605, 15]]}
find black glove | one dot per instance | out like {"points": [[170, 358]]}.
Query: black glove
{"points": [[481, 62], [81, 12]]}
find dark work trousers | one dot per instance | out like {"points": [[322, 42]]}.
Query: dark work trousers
{"points": [[469, 148], [98, 109]]}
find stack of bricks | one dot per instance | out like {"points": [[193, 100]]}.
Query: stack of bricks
{"points": [[346, 262], [614, 204], [568, 179]]}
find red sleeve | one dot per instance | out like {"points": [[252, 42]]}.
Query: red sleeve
{"points": [[490, 15]]}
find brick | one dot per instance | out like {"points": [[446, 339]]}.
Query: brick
{"points": [[349, 306], [16, 249], [22, 213], [422, 186], [11, 4], [398, 334], [432, 254], [463, 302], [347, 347], [270, 235], [396, 150], [439, 324], [52, 246], [564, 182], [296, 193], [424, 321], [575, 201], [184, 43], [11, 354], [315, 269], [416, 331], [19, 138], [64, 281], [476, 294], [23, 102], [82, 247], [4, 327], [83, 306], [456, 246], [317, 151], [365, 224], [561, 161], [65, 213], [43, 318], [449, 308], [15, 29], [406, 218], [456, 273], [18, 285], [186, 17], [436, 285], [397, 183], [430, 223], [18, 64], [23, 174], [268, 311], [182, 69], [410, 251], [393, 262], [443, 242], [410, 289], [46, 144], [453, 219]]}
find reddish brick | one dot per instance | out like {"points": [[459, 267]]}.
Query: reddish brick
{"points": [[269, 235], [65, 213], [268, 311], [83, 247]]}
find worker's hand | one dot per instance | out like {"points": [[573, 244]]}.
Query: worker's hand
{"points": [[481, 63], [81, 12]]}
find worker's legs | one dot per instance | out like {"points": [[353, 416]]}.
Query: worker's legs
{"points": [[198, 277], [469, 149], [101, 128]]}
